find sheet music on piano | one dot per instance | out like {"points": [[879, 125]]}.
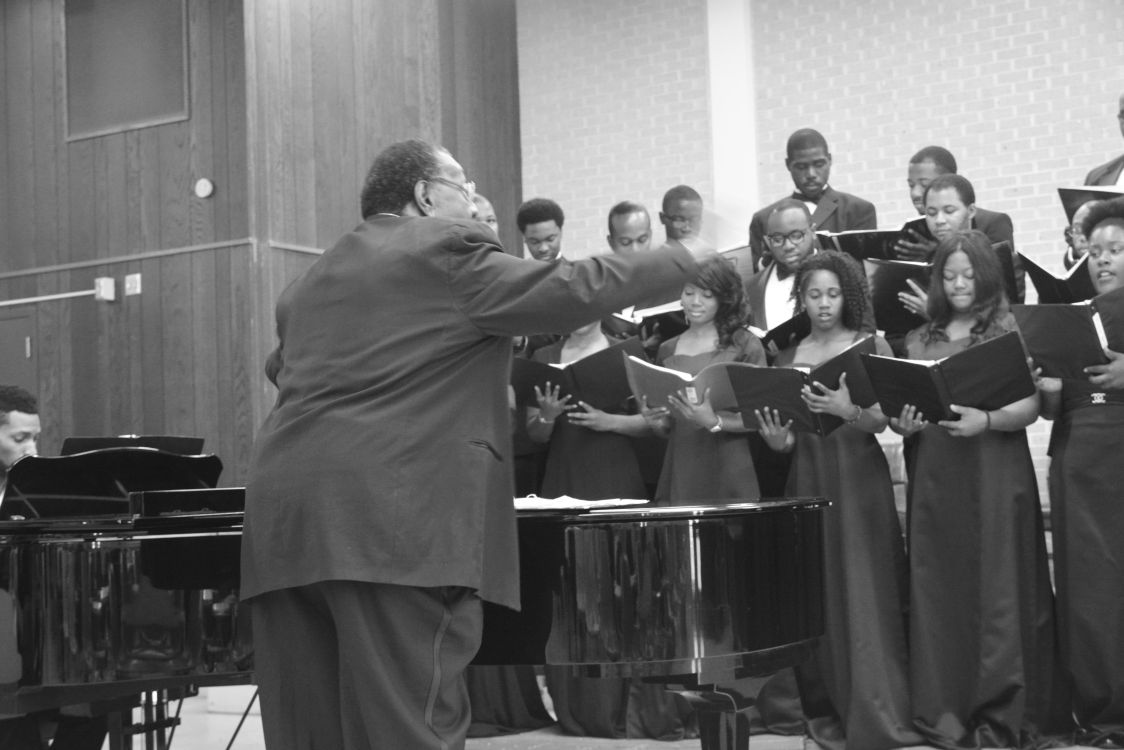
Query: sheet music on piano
{"points": [[565, 502]]}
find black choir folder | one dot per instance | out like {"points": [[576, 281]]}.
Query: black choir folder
{"points": [[1075, 285], [988, 376], [887, 279], [1065, 339], [745, 388], [599, 379], [781, 337], [863, 244]]}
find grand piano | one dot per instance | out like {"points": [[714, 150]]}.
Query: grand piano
{"points": [[119, 570]]}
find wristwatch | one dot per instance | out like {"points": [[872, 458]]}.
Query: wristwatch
{"points": [[717, 425]]}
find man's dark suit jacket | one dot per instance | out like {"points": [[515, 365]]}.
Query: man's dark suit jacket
{"points": [[1106, 174], [998, 228], [836, 212], [387, 456]]}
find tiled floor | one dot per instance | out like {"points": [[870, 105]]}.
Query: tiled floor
{"points": [[204, 729]]}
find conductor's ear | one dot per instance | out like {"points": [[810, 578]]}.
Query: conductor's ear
{"points": [[421, 198]]}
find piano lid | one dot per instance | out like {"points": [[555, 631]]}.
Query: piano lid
{"points": [[187, 446], [99, 482]]}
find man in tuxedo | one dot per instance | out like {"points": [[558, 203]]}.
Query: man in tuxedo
{"points": [[809, 163], [540, 222], [1111, 173], [630, 228], [378, 501], [790, 236], [924, 167]]}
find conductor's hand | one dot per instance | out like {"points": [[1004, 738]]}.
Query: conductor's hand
{"points": [[917, 248], [822, 400], [591, 418], [777, 435], [1108, 376], [699, 412], [910, 422], [972, 422], [551, 404]]}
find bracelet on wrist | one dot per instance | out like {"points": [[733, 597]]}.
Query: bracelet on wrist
{"points": [[541, 420], [854, 417], [717, 425]]}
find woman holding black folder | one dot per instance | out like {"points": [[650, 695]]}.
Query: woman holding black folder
{"points": [[707, 456], [1086, 474], [855, 689], [589, 452], [590, 456], [983, 667]]}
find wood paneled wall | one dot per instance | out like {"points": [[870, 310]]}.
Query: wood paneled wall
{"points": [[128, 192], [334, 83], [290, 101]]}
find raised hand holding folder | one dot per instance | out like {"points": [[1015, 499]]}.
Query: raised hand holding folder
{"points": [[599, 379], [746, 388], [988, 375]]}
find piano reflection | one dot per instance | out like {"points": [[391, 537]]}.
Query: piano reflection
{"points": [[122, 577]]}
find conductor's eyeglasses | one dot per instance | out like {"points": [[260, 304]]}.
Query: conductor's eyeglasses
{"points": [[467, 190]]}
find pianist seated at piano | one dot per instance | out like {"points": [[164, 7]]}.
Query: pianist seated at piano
{"points": [[590, 456], [849, 699], [708, 455], [19, 437]]}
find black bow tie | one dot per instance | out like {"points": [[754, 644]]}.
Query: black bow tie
{"points": [[805, 199], [781, 272]]}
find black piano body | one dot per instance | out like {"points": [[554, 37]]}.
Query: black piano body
{"points": [[145, 596], [101, 595], [687, 594]]}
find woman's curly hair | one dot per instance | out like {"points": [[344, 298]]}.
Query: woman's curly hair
{"points": [[990, 303], [852, 280], [717, 276]]}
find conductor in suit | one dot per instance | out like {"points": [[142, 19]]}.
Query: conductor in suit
{"points": [[1111, 173], [379, 502], [808, 161]]}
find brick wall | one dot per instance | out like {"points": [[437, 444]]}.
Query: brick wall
{"points": [[1023, 92], [615, 103], [614, 106]]}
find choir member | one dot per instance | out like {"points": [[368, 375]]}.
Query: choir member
{"points": [[927, 165], [707, 455], [506, 699], [808, 161], [950, 207], [983, 668], [1086, 475], [1076, 243], [1111, 172], [849, 698], [590, 456]]}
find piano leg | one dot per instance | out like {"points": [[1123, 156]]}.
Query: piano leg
{"points": [[723, 718]]}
